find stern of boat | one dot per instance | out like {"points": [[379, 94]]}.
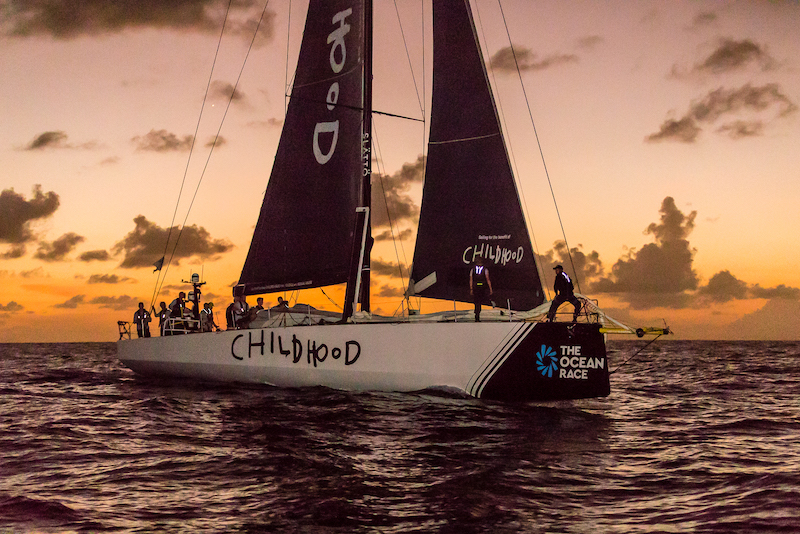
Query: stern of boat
{"points": [[554, 361]]}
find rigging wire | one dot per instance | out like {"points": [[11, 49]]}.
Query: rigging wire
{"points": [[163, 276], [219, 129], [408, 57], [635, 354], [516, 173], [539, 144]]}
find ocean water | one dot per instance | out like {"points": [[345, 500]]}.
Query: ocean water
{"points": [[695, 437]]}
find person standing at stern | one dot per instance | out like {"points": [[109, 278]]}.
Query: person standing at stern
{"points": [[565, 292]]}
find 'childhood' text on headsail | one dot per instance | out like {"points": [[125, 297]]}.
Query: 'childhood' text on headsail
{"points": [[338, 56], [495, 253]]}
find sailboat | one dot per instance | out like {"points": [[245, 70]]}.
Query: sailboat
{"points": [[314, 231]]}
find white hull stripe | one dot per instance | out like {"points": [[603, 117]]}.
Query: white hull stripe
{"points": [[504, 349]]}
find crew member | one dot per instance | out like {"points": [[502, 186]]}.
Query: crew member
{"points": [[142, 321], [564, 293], [207, 323], [480, 286], [163, 315]]}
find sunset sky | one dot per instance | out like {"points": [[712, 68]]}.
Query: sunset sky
{"points": [[670, 132]]}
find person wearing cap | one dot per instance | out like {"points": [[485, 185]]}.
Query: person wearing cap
{"points": [[564, 293], [480, 286]]}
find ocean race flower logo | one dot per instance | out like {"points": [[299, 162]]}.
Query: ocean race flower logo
{"points": [[547, 361]]}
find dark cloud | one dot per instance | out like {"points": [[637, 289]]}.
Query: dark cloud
{"points": [[527, 60], [391, 200], [778, 292], [58, 249], [216, 141], [660, 273], [162, 141], [386, 268], [767, 100], [63, 19], [225, 91], [723, 287], [119, 303], [733, 55], [587, 267], [740, 129], [38, 272], [269, 123], [704, 19], [146, 243], [388, 235], [13, 252], [56, 139], [71, 303], [17, 214], [95, 255], [387, 291], [108, 279], [11, 307]]}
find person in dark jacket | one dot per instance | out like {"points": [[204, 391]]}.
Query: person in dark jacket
{"points": [[142, 321], [480, 286], [564, 293]]}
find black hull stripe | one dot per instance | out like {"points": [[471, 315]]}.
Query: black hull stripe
{"points": [[495, 361]]}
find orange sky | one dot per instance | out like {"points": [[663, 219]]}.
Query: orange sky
{"points": [[670, 132]]}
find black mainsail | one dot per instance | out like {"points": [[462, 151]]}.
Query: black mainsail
{"points": [[470, 206], [305, 230]]}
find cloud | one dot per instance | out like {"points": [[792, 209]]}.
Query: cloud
{"points": [[776, 320], [778, 292], [11, 307], [108, 279], [121, 302], [17, 214], [587, 268], [703, 19], [95, 255], [390, 198], [38, 272], [766, 101], [162, 141], [58, 249], [504, 60], [71, 303], [225, 91], [723, 287], [216, 141], [386, 268], [272, 123], [387, 291], [55, 139], [63, 19], [660, 273], [146, 243], [730, 56], [740, 129]]}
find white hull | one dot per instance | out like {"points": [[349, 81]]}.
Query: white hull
{"points": [[501, 360]]}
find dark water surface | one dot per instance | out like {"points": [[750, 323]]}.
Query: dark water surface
{"points": [[695, 437]]}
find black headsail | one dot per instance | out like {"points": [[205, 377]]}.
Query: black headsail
{"points": [[304, 232], [470, 205]]}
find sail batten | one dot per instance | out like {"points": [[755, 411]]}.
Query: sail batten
{"points": [[470, 205]]}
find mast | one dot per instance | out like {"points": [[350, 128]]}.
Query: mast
{"points": [[358, 283], [366, 199]]}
